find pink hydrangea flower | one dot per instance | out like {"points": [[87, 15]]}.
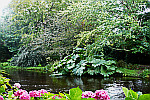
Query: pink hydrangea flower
{"points": [[87, 94], [35, 93], [17, 85], [24, 96], [20, 92], [1, 97], [101, 95], [42, 91]]}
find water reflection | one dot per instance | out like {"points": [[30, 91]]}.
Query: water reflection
{"points": [[35, 80]]}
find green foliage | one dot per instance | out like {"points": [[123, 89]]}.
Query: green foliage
{"points": [[123, 64], [7, 65], [29, 56], [4, 82], [120, 28], [131, 95], [8, 39], [46, 27], [79, 64], [75, 94], [145, 73], [51, 29], [144, 97], [135, 73]]}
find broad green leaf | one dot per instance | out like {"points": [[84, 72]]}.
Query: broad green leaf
{"points": [[119, 71], [75, 93], [2, 89], [129, 98], [110, 62], [10, 93], [126, 91], [133, 94], [112, 68], [144, 97]]}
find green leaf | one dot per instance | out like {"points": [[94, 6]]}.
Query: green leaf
{"points": [[119, 71], [10, 93], [110, 62], [61, 94], [126, 91], [144, 97], [133, 94], [78, 70], [70, 61], [69, 97], [129, 98], [2, 89], [112, 68], [75, 93], [74, 57], [71, 66]]}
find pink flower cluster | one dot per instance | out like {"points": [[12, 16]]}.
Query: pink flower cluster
{"points": [[35, 93], [42, 91], [23, 94], [99, 95], [20, 92], [38, 93], [56, 97], [1, 97]]}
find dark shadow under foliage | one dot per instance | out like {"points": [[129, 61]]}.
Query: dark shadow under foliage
{"points": [[4, 53]]}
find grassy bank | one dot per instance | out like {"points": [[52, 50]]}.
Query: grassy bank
{"points": [[6, 65], [136, 73]]}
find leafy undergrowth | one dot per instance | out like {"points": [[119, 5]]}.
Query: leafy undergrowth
{"points": [[78, 63], [131, 95]]}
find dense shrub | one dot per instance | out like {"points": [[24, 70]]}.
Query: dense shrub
{"points": [[121, 29], [118, 28], [58, 26]]}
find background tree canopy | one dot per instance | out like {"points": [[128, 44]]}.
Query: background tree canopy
{"points": [[41, 31]]}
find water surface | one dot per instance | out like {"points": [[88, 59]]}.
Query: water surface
{"points": [[35, 80]]}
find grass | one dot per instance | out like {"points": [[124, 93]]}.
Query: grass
{"points": [[136, 73], [6, 65]]}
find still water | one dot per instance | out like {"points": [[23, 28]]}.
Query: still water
{"points": [[35, 80]]}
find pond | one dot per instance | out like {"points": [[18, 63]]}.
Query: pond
{"points": [[35, 80]]}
